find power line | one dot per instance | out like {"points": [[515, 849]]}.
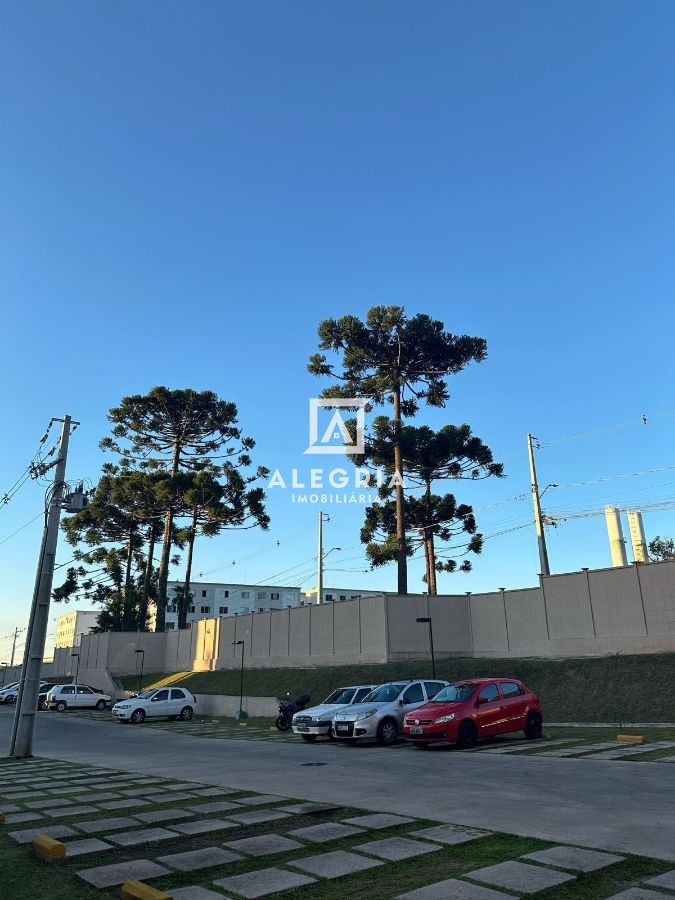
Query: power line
{"points": [[14, 533]]}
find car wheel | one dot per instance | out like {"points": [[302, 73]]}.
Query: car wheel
{"points": [[331, 736], [61, 706], [42, 705], [467, 735], [283, 723], [421, 745], [100, 704], [387, 732], [186, 714], [310, 738], [137, 717], [533, 726]]}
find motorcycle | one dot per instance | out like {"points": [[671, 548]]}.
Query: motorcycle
{"points": [[287, 709]]}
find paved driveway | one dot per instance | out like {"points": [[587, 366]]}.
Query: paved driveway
{"points": [[610, 805]]}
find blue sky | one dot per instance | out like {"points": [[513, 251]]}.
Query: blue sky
{"points": [[188, 190]]}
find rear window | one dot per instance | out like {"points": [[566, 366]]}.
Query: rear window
{"points": [[511, 689]]}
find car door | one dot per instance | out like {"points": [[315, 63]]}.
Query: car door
{"points": [[515, 705], [489, 710], [159, 704], [67, 693], [411, 698], [177, 701], [84, 696]]}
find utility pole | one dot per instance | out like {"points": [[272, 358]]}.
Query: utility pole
{"points": [[16, 632], [27, 699], [319, 569], [538, 523]]}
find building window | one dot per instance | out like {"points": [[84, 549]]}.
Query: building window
{"points": [[205, 609], [244, 595], [261, 595], [329, 596], [274, 596], [226, 593], [203, 593], [342, 597], [354, 596], [191, 609], [169, 626], [223, 610]]}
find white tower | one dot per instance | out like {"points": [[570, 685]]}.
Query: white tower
{"points": [[617, 544], [637, 536]]}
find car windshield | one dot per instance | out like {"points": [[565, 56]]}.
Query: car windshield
{"points": [[341, 696], [454, 693], [384, 693]]}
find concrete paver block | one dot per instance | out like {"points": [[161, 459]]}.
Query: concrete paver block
{"points": [[202, 826], [141, 791], [107, 824], [214, 807], [517, 876], [195, 892], [142, 836], [575, 858], [190, 860], [667, 880], [183, 786], [26, 835], [119, 873], [123, 804], [640, 894], [396, 848], [164, 815], [378, 820], [449, 834], [325, 831], [260, 799], [334, 864], [255, 816], [264, 844], [263, 882], [63, 812], [86, 845], [20, 818], [49, 803], [455, 889], [212, 792], [299, 809]]}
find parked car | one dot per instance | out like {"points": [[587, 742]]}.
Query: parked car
{"points": [[75, 696], [44, 690], [379, 716], [466, 711], [174, 703], [9, 692], [317, 720]]}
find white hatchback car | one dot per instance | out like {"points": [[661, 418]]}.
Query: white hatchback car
{"points": [[75, 696], [174, 703]]}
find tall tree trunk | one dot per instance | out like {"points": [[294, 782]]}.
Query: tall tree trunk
{"points": [[127, 571], [185, 599], [402, 558], [160, 619], [147, 578], [427, 576], [429, 543]]}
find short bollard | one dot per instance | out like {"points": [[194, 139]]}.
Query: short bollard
{"points": [[48, 849], [138, 890]]}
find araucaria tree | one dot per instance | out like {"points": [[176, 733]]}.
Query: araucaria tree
{"points": [[177, 431], [452, 453], [397, 359]]}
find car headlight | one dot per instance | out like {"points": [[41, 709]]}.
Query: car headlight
{"points": [[316, 718], [366, 714], [122, 706], [441, 720]]}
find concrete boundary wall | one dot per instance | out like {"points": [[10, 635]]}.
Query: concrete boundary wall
{"points": [[628, 609]]}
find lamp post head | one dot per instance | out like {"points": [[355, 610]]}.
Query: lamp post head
{"points": [[139, 651], [74, 654], [423, 619], [236, 643]]}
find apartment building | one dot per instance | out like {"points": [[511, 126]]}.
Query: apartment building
{"points": [[212, 599], [72, 625]]}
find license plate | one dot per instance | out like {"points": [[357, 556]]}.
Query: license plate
{"points": [[302, 727], [417, 731], [343, 728]]}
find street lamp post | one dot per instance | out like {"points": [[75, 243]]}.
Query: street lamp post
{"points": [[427, 619], [140, 679], [241, 714], [77, 667]]}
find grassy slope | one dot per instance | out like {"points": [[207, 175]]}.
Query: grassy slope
{"points": [[605, 689]]}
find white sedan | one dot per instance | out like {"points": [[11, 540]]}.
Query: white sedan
{"points": [[75, 696], [173, 703]]}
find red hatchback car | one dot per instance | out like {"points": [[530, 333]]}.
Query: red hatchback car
{"points": [[466, 711]]}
